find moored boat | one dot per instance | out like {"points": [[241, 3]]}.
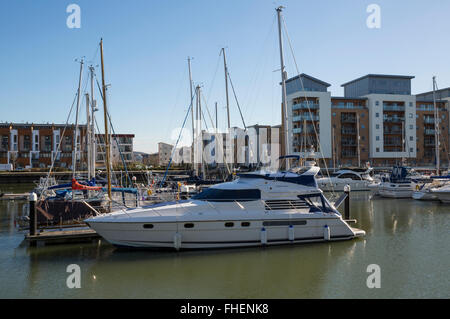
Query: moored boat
{"points": [[256, 209]]}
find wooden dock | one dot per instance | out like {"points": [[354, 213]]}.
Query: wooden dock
{"points": [[62, 237]]}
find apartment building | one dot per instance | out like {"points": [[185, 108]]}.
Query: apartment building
{"points": [[377, 120], [121, 149], [34, 145], [350, 131], [309, 116], [164, 153]]}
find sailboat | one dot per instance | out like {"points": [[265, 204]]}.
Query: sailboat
{"points": [[80, 198]]}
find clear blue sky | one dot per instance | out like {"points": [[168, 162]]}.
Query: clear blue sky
{"points": [[146, 44]]}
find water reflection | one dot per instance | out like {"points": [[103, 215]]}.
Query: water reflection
{"points": [[408, 239]]}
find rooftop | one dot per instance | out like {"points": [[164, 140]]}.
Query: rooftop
{"points": [[306, 76], [406, 77]]}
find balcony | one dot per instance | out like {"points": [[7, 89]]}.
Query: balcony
{"points": [[428, 120], [305, 117], [429, 143], [393, 119], [430, 132], [299, 130], [347, 106], [304, 106], [347, 154], [348, 131], [345, 142], [348, 119], [392, 143], [392, 132], [396, 108]]}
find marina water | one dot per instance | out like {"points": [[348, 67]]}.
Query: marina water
{"points": [[409, 240]]}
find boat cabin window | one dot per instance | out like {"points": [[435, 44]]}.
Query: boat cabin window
{"points": [[148, 226], [351, 176], [189, 225], [229, 224], [316, 203], [245, 224], [228, 195]]}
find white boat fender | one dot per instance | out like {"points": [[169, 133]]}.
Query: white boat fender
{"points": [[263, 236], [177, 241], [291, 233], [326, 232]]}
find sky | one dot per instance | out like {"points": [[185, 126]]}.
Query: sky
{"points": [[147, 42]]}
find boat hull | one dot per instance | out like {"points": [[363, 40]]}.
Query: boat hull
{"points": [[443, 196], [393, 190], [213, 234], [424, 195]]}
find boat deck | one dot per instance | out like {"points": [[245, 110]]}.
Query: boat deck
{"points": [[63, 236]]}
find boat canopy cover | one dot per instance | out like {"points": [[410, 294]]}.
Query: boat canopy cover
{"points": [[226, 195], [77, 186]]}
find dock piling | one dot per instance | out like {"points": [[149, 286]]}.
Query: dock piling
{"points": [[347, 202], [33, 216]]}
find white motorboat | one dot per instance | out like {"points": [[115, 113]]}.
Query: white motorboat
{"points": [[258, 208], [358, 179], [442, 193], [398, 185], [427, 191]]}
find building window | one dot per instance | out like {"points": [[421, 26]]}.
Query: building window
{"points": [[377, 138], [362, 126], [377, 126], [363, 138], [378, 150], [377, 103], [410, 115], [334, 114], [411, 127], [410, 103], [411, 150], [411, 138], [377, 114]]}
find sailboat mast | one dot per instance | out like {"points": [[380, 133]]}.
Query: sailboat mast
{"points": [[226, 86], [283, 87], [192, 108], [93, 145], [217, 123], [88, 136], [196, 148], [105, 112], [436, 127], [200, 133], [75, 149]]}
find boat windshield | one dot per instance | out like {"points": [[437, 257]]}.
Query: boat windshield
{"points": [[317, 202], [228, 195]]}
